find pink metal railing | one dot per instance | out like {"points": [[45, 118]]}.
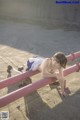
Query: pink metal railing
{"points": [[34, 86], [9, 81]]}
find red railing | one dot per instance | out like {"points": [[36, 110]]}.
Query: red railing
{"points": [[9, 81], [4, 100]]}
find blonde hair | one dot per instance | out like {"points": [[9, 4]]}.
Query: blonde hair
{"points": [[60, 58]]}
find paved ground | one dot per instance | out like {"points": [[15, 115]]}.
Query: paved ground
{"points": [[38, 40], [18, 41]]}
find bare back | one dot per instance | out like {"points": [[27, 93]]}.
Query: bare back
{"points": [[47, 66]]}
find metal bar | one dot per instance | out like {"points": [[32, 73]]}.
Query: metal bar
{"points": [[32, 87], [9, 81]]}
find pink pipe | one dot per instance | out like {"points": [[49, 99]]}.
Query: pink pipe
{"points": [[16, 78], [73, 56], [34, 86], [74, 68], [9, 81], [23, 91]]}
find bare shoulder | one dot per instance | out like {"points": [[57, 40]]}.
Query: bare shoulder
{"points": [[46, 60]]}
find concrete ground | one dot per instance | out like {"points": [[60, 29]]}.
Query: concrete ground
{"points": [[19, 41]]}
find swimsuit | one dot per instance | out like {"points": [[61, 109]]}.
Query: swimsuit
{"points": [[34, 62]]}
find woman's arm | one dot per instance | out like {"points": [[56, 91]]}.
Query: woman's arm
{"points": [[62, 81], [58, 75]]}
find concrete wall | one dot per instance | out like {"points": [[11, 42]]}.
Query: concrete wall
{"points": [[40, 10]]}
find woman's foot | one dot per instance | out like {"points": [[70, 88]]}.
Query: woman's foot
{"points": [[9, 68]]}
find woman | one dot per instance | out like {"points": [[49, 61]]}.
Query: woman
{"points": [[50, 67]]}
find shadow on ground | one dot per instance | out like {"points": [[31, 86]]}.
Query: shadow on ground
{"points": [[37, 109], [38, 40], [68, 109]]}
